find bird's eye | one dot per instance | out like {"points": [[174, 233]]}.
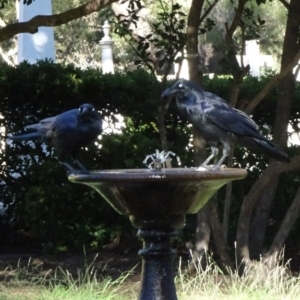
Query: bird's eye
{"points": [[93, 109], [180, 85]]}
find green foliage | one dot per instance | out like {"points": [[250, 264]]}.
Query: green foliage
{"points": [[168, 37], [27, 2], [262, 19], [251, 25], [3, 3], [34, 186], [264, 116], [79, 47], [207, 26]]}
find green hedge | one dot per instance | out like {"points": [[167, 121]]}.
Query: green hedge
{"points": [[63, 215], [40, 196]]}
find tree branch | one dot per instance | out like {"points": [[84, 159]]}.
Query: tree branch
{"points": [[218, 237], [206, 13], [6, 58], [274, 80], [235, 22], [285, 228], [285, 4], [193, 23], [273, 170], [237, 72], [32, 25]]}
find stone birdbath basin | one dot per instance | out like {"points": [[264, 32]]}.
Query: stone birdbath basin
{"points": [[156, 202]]}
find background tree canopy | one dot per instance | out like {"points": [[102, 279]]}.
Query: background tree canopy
{"points": [[81, 46], [264, 208]]}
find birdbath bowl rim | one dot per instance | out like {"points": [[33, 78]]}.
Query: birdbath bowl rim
{"points": [[151, 194], [154, 175]]}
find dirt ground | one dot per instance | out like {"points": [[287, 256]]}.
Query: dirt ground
{"points": [[25, 255], [108, 264], [19, 270], [25, 260]]}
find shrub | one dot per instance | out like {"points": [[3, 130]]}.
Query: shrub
{"points": [[34, 186], [36, 190]]}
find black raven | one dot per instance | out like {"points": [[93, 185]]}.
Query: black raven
{"points": [[218, 123], [67, 132]]}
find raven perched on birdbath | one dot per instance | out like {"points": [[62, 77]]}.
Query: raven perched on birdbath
{"points": [[67, 132], [218, 123]]}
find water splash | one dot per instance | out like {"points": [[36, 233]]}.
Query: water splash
{"points": [[159, 159]]}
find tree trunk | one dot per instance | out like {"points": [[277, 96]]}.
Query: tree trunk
{"points": [[193, 24], [203, 230], [284, 230], [202, 238], [220, 242], [286, 90], [260, 219], [237, 72], [283, 111], [227, 200], [242, 237], [162, 109]]}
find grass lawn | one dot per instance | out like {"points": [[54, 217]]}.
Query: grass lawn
{"points": [[88, 283]]}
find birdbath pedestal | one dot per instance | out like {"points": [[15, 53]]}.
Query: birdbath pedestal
{"points": [[156, 202]]}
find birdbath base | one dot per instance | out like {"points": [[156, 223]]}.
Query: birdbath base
{"points": [[157, 264]]}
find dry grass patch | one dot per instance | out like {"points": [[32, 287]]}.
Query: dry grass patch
{"points": [[88, 283]]}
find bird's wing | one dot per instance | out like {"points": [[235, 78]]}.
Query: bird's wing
{"points": [[231, 120], [64, 124], [207, 96], [26, 136], [56, 126], [43, 126], [240, 124]]}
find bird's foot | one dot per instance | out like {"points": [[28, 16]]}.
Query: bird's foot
{"points": [[205, 167], [217, 167], [202, 168], [68, 167], [211, 168], [80, 165], [71, 169]]}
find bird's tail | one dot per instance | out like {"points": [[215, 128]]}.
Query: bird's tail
{"points": [[272, 150], [26, 136]]}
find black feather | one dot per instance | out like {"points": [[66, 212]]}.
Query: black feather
{"points": [[217, 122], [26, 136], [67, 132]]}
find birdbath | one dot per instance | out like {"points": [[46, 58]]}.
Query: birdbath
{"points": [[156, 202]]}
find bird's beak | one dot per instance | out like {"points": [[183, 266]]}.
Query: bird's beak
{"points": [[169, 92], [85, 110]]}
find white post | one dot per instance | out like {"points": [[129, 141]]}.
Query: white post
{"points": [[107, 46], [32, 47]]}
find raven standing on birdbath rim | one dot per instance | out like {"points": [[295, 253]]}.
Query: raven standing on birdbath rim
{"points": [[218, 123], [67, 132]]}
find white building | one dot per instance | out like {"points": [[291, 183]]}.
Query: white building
{"points": [[258, 62]]}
